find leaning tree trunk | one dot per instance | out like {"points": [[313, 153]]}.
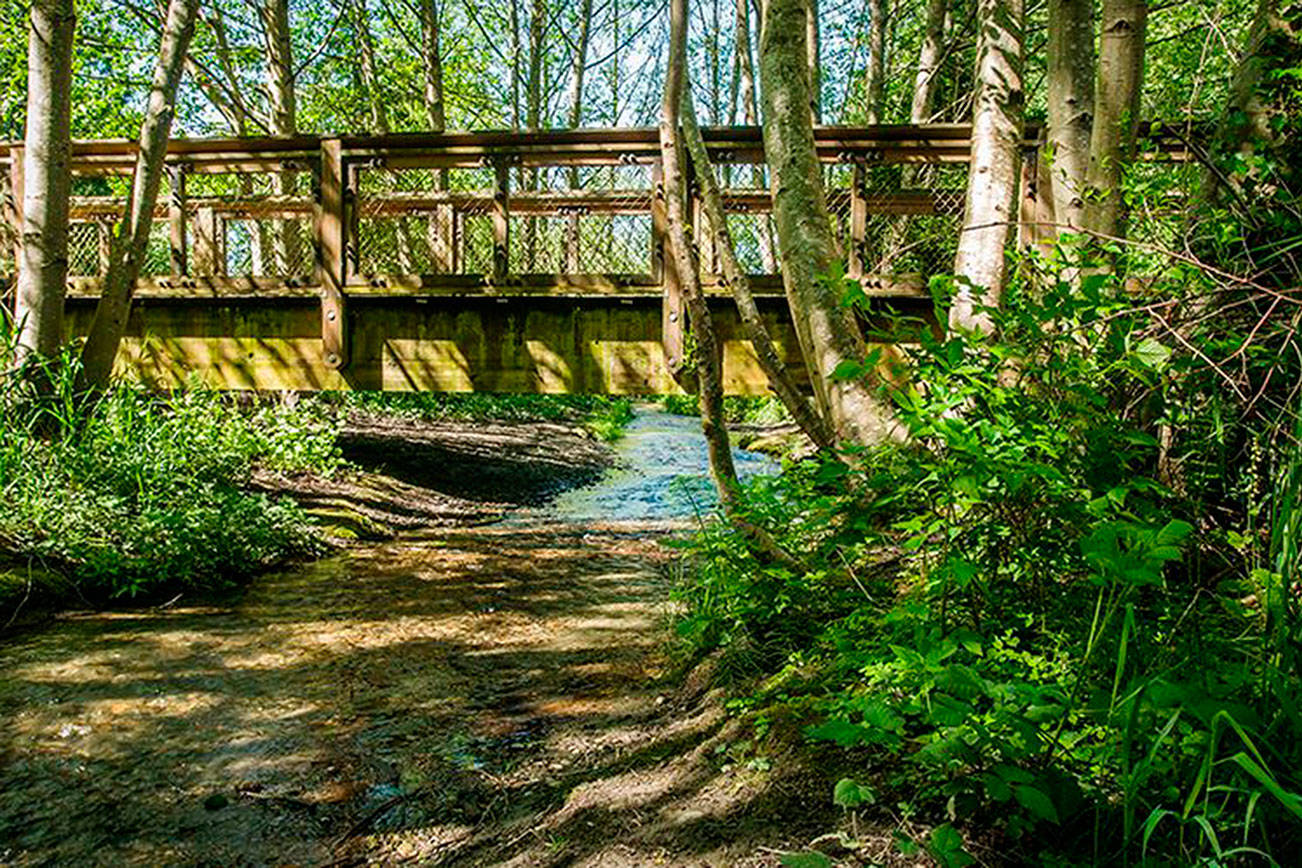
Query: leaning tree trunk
{"points": [[708, 365], [1070, 59], [47, 181], [735, 276], [814, 61], [127, 248], [1116, 109], [828, 333], [979, 265]]}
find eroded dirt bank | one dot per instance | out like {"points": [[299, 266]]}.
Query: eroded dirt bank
{"points": [[471, 697]]}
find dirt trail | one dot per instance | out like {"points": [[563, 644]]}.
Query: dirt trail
{"points": [[471, 697]]}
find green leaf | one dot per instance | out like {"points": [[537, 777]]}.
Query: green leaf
{"points": [[1153, 353], [946, 847], [808, 859], [849, 793], [1035, 801]]}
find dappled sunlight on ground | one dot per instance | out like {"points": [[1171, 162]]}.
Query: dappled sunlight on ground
{"points": [[483, 696]]}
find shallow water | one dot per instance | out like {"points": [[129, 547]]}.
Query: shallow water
{"points": [[662, 474]]}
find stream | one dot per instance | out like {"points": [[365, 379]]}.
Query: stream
{"points": [[662, 474]]}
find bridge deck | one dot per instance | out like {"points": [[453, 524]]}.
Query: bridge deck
{"points": [[502, 261]]}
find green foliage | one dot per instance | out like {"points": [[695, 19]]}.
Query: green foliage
{"points": [[130, 493], [1017, 617]]}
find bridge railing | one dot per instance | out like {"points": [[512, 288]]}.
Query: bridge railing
{"points": [[555, 212]]}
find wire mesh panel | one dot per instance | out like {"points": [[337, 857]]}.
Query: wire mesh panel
{"points": [[424, 221], [581, 220], [84, 248], [249, 224]]}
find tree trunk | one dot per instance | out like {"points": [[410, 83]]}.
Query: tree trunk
{"points": [[875, 86], [573, 241], [47, 181], [371, 94], [280, 88], [827, 331], [779, 379], [992, 172], [1070, 73], [1116, 109], [433, 66], [814, 51], [533, 85], [675, 188], [127, 248], [929, 59]]}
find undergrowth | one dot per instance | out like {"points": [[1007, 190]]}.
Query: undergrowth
{"points": [[131, 494], [1044, 630]]}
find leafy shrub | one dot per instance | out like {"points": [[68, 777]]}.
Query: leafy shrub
{"points": [[1019, 614]]}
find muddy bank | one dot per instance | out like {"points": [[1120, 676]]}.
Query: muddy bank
{"points": [[411, 475], [487, 696]]}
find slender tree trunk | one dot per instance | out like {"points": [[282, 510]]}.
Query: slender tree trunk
{"points": [[432, 62], [127, 248], [675, 187], [827, 331], [533, 85], [1070, 59], [47, 181], [875, 85], [779, 379], [750, 117], [577, 69], [372, 94], [285, 243], [1116, 109], [992, 172], [516, 54], [929, 58]]}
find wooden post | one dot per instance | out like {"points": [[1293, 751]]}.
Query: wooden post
{"points": [[349, 214], [209, 257], [703, 235], [501, 219], [104, 235], [858, 221], [176, 220], [442, 240], [328, 221], [572, 242], [664, 268]]}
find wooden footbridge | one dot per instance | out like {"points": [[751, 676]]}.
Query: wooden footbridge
{"points": [[478, 261]]}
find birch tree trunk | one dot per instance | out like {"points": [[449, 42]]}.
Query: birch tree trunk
{"points": [[929, 58], [992, 172], [128, 246], [47, 181], [875, 85], [766, 353], [1070, 74], [675, 188], [1116, 109], [285, 245], [827, 331]]}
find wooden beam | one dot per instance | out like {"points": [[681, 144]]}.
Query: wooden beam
{"points": [[331, 260], [501, 219]]}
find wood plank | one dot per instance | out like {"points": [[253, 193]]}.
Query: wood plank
{"points": [[176, 219]]}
